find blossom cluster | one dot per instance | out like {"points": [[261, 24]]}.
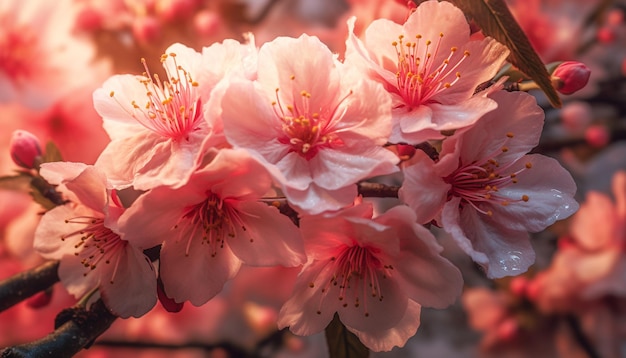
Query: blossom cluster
{"points": [[204, 153]]}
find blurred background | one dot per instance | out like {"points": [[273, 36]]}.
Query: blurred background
{"points": [[571, 303]]}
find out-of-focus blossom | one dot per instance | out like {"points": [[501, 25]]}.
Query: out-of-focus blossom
{"points": [[25, 149], [212, 225], [570, 77], [487, 192], [82, 234], [555, 28], [374, 273], [312, 121], [431, 69], [592, 262], [40, 59]]}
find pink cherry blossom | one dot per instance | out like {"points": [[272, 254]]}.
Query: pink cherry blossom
{"points": [[211, 225], [318, 125], [157, 127], [40, 59], [82, 235], [430, 67], [486, 192], [374, 273]]}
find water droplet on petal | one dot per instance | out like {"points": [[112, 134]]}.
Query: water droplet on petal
{"points": [[511, 261]]}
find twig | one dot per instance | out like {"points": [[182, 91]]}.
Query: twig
{"points": [[581, 337], [25, 284], [75, 334], [376, 190]]}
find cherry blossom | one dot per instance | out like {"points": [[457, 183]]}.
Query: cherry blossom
{"points": [[486, 192], [374, 273], [158, 127], [82, 234], [212, 225], [430, 67], [313, 122]]}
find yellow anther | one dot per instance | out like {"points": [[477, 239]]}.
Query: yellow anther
{"points": [[525, 197], [529, 165], [112, 93], [509, 134]]}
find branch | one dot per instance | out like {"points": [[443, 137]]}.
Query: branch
{"points": [[581, 337], [70, 337], [25, 284], [376, 190]]}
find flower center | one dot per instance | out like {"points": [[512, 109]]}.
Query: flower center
{"points": [[305, 129], [95, 244], [173, 108], [480, 181], [213, 219], [419, 77], [357, 274]]}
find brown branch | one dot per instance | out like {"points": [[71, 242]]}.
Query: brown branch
{"points": [[78, 332], [25, 284], [377, 190]]}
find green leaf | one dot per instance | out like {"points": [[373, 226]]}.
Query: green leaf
{"points": [[343, 343], [495, 19], [20, 182], [52, 154]]}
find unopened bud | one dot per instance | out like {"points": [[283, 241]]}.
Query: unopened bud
{"points": [[570, 76], [25, 149]]}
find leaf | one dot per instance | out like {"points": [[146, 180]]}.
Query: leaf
{"points": [[495, 19], [52, 154], [44, 194], [343, 343], [20, 182]]}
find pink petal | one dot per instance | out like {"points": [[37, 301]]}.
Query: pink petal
{"points": [[384, 340], [269, 238], [304, 312], [116, 110], [550, 190], [241, 102], [53, 226], [423, 190], [377, 45], [313, 70], [424, 275], [485, 139], [56, 173], [71, 274], [597, 208], [230, 173], [371, 311], [432, 18], [348, 168], [133, 290], [150, 220], [90, 189], [134, 152], [498, 249], [196, 277], [316, 200]]}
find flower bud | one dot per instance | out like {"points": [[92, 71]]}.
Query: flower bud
{"points": [[570, 76], [25, 149]]}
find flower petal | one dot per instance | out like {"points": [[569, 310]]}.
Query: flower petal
{"points": [[269, 238]]}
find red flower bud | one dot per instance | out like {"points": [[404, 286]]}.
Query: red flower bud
{"points": [[570, 76], [25, 149]]}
